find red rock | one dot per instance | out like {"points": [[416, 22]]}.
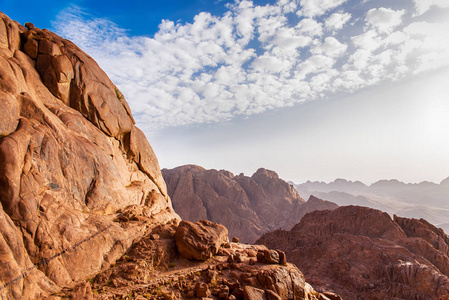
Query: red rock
{"points": [[252, 293], [70, 159], [200, 240], [247, 206], [362, 253]]}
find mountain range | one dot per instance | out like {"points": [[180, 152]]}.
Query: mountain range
{"points": [[413, 200]]}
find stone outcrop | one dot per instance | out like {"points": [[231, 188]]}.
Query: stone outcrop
{"points": [[247, 206], [71, 162], [155, 269], [363, 253]]}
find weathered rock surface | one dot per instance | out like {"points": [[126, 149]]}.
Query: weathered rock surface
{"points": [[363, 253], [154, 269], [71, 159], [247, 206], [200, 240]]}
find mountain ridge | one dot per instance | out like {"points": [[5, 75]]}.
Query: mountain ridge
{"points": [[247, 205]]}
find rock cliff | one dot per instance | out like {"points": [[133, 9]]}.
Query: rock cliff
{"points": [[363, 253], [247, 206], [71, 159]]}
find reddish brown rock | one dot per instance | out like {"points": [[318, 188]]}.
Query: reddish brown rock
{"points": [[247, 206], [200, 240], [360, 252], [71, 159]]}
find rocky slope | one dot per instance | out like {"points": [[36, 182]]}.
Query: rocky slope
{"points": [[363, 253], [156, 268], [71, 159], [247, 206], [84, 209]]}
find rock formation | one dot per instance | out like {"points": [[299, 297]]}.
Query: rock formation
{"points": [[363, 253], [71, 159], [154, 269], [247, 206]]}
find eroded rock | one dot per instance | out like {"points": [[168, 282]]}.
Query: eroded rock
{"points": [[200, 240], [360, 252], [71, 160]]}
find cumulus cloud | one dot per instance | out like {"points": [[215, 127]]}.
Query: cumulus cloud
{"points": [[384, 19], [313, 8], [256, 58], [337, 20]]}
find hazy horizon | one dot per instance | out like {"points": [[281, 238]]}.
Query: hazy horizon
{"points": [[314, 90]]}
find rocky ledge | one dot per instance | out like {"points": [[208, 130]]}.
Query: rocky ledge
{"points": [[157, 267]]}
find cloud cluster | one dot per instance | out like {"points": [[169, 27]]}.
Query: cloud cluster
{"points": [[256, 58]]}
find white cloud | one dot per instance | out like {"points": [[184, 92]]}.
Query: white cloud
{"points": [[331, 47], [253, 58], [310, 27], [384, 19], [313, 8], [337, 20], [422, 6]]}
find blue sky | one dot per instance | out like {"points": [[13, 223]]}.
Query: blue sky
{"points": [[313, 89]]}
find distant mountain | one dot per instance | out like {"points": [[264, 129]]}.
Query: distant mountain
{"points": [[362, 253], [247, 206], [414, 200]]}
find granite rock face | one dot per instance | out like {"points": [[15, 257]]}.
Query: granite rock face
{"points": [[362, 253], [247, 206], [71, 160]]}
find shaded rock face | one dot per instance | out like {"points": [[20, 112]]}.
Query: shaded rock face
{"points": [[362, 253], [247, 206], [71, 159]]}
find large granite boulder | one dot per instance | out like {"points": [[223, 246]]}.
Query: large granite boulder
{"points": [[200, 240], [71, 159]]}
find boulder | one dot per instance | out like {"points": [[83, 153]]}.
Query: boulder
{"points": [[252, 293], [200, 240]]}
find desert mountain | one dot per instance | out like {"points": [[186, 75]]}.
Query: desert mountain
{"points": [[362, 253], [420, 200], [84, 209], [247, 206]]}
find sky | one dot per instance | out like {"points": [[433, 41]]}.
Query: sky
{"points": [[312, 89]]}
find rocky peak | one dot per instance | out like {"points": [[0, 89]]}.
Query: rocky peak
{"points": [[247, 206]]}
